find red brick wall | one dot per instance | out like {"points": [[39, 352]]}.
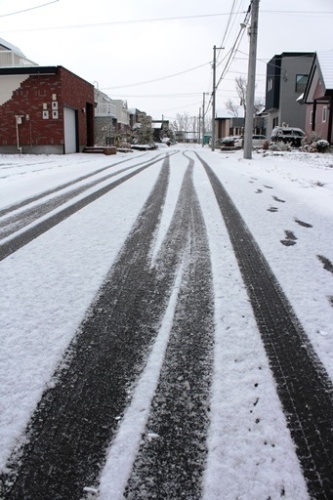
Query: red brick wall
{"points": [[28, 100]]}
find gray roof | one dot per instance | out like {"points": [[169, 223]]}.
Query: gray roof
{"points": [[325, 60], [11, 47]]}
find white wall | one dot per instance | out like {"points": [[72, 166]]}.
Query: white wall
{"points": [[9, 83]]}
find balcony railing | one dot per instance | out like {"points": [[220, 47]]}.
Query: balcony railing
{"points": [[9, 59], [106, 109]]}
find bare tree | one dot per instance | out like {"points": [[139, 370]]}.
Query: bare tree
{"points": [[183, 120], [232, 107], [241, 85], [259, 105]]}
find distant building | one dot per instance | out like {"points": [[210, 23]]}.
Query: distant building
{"points": [[226, 125], [160, 129], [137, 116], [105, 120], [286, 79]]}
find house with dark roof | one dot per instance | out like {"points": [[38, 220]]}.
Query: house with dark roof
{"points": [[318, 97], [286, 79]]}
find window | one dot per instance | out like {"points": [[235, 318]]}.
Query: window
{"points": [[269, 85], [324, 114], [301, 81]]}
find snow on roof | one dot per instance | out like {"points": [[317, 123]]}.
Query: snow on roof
{"points": [[325, 60], [11, 47]]}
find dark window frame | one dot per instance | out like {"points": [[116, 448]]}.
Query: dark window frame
{"points": [[300, 83]]}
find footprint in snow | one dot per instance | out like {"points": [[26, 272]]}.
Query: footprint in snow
{"points": [[303, 224], [278, 199], [290, 239]]}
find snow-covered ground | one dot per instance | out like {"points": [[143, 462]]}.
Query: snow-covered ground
{"points": [[46, 287]]}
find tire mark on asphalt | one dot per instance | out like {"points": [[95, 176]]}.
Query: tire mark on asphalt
{"points": [[303, 385], [172, 456], [75, 421], [17, 221], [17, 242], [37, 197]]}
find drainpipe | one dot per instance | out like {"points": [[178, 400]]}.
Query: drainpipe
{"points": [[330, 122], [18, 120]]}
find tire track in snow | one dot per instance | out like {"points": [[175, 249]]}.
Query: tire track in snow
{"points": [[303, 385], [172, 455], [12, 224], [24, 237], [33, 199], [76, 419], [126, 444]]}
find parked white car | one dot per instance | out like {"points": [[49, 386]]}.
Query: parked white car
{"points": [[232, 142], [258, 141], [237, 142], [288, 135]]}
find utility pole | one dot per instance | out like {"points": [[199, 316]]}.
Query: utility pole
{"points": [[203, 120], [199, 126], [214, 98], [214, 95], [251, 80]]}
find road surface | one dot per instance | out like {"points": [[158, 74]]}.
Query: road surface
{"points": [[69, 436]]}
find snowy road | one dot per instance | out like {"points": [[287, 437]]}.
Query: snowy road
{"points": [[160, 336]]}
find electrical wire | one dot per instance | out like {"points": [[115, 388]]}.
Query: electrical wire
{"points": [[130, 21], [157, 79], [235, 46], [30, 8]]}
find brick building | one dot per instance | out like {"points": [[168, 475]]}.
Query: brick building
{"points": [[45, 109]]}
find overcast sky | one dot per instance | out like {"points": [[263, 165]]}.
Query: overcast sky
{"points": [[157, 54]]}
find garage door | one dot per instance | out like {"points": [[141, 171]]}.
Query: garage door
{"points": [[70, 130]]}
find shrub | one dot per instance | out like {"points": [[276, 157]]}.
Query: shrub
{"points": [[312, 137], [280, 146], [265, 145], [322, 146]]}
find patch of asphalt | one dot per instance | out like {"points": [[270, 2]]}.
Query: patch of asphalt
{"points": [[172, 455], [303, 385], [17, 242]]}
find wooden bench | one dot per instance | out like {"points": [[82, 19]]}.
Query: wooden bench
{"points": [[110, 150]]}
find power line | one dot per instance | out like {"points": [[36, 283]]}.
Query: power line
{"points": [[157, 79], [191, 94], [152, 20], [30, 8], [130, 21], [235, 46]]}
